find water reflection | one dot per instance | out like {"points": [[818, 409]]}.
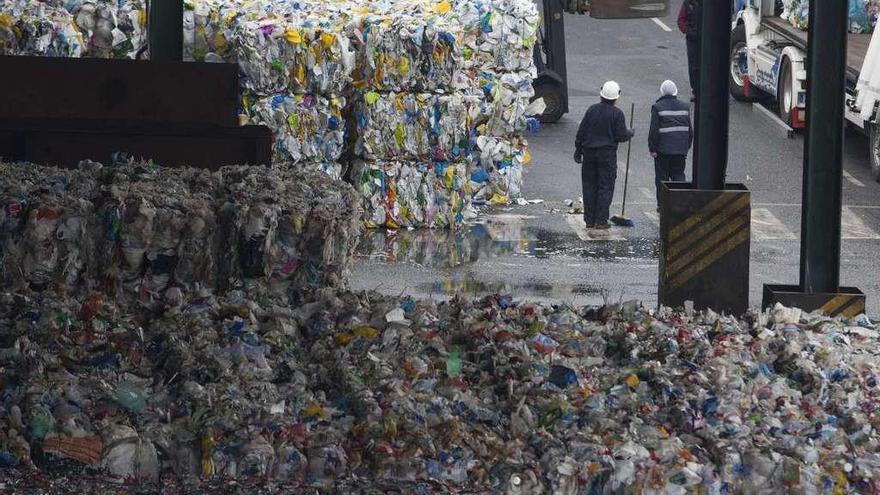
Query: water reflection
{"points": [[496, 237]]}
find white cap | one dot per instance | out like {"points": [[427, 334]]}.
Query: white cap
{"points": [[610, 91], [668, 88]]}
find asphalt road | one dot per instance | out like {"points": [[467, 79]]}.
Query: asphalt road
{"points": [[539, 251]]}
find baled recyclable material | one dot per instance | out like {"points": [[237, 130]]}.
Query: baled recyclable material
{"points": [[73, 28], [332, 391], [414, 194], [38, 29], [158, 234], [307, 128]]}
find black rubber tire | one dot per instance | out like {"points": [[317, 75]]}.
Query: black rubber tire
{"points": [[874, 150], [785, 75], [552, 94], [737, 86]]}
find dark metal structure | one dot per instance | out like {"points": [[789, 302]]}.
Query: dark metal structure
{"points": [[705, 226], [819, 286], [552, 81], [713, 102], [163, 109]]}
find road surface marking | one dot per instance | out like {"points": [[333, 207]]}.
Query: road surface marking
{"points": [[848, 176], [648, 193], [576, 222], [766, 227], [654, 217], [853, 227], [662, 24]]}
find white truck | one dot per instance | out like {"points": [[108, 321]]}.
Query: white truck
{"points": [[768, 59]]}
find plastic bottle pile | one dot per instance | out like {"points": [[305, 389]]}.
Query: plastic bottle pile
{"points": [[345, 392], [863, 14], [157, 235], [73, 28]]}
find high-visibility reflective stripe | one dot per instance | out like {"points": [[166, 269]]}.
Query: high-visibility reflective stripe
{"points": [[667, 130], [674, 113]]}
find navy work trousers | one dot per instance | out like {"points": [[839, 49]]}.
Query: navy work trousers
{"points": [[598, 174], [669, 168]]}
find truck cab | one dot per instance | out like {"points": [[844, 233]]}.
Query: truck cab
{"points": [[768, 61]]}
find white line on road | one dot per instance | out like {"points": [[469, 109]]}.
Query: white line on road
{"points": [[662, 25], [576, 222], [766, 227], [853, 227], [848, 176], [648, 193]]}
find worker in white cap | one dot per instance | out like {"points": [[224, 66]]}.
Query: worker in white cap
{"points": [[602, 129], [671, 135]]}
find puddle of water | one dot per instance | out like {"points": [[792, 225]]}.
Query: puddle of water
{"points": [[495, 239]]}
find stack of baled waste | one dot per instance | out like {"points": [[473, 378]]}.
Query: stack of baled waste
{"points": [[156, 235], [73, 28], [441, 108], [295, 63], [339, 392], [436, 92]]}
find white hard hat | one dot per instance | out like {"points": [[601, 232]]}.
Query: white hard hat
{"points": [[668, 88], [610, 91]]}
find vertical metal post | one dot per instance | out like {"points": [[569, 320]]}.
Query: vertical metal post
{"points": [[823, 151], [166, 30], [713, 105], [554, 37]]}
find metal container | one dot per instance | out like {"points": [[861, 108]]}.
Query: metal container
{"points": [[705, 243]]}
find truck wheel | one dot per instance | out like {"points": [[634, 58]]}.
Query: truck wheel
{"points": [[875, 151], [552, 94], [739, 66], [784, 96]]}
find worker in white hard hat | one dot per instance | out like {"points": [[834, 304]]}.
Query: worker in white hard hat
{"points": [[671, 135], [602, 129]]}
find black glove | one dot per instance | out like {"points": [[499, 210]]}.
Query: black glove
{"points": [[578, 158]]}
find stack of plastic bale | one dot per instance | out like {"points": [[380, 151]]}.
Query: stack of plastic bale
{"points": [[158, 236], [73, 28], [435, 80], [295, 62]]}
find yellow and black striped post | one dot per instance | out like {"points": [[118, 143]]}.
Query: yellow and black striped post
{"points": [[705, 242], [848, 302]]}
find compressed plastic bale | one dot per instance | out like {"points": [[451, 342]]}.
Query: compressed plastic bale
{"points": [[504, 160], [414, 194], [412, 126], [110, 28], [503, 106], [45, 228], [38, 29], [279, 48], [400, 50], [290, 226], [499, 34], [307, 128]]}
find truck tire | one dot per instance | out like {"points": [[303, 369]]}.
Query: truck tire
{"points": [[552, 94], [784, 95], [874, 150], [739, 66]]}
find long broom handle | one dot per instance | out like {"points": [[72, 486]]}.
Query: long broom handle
{"points": [[632, 116]]}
